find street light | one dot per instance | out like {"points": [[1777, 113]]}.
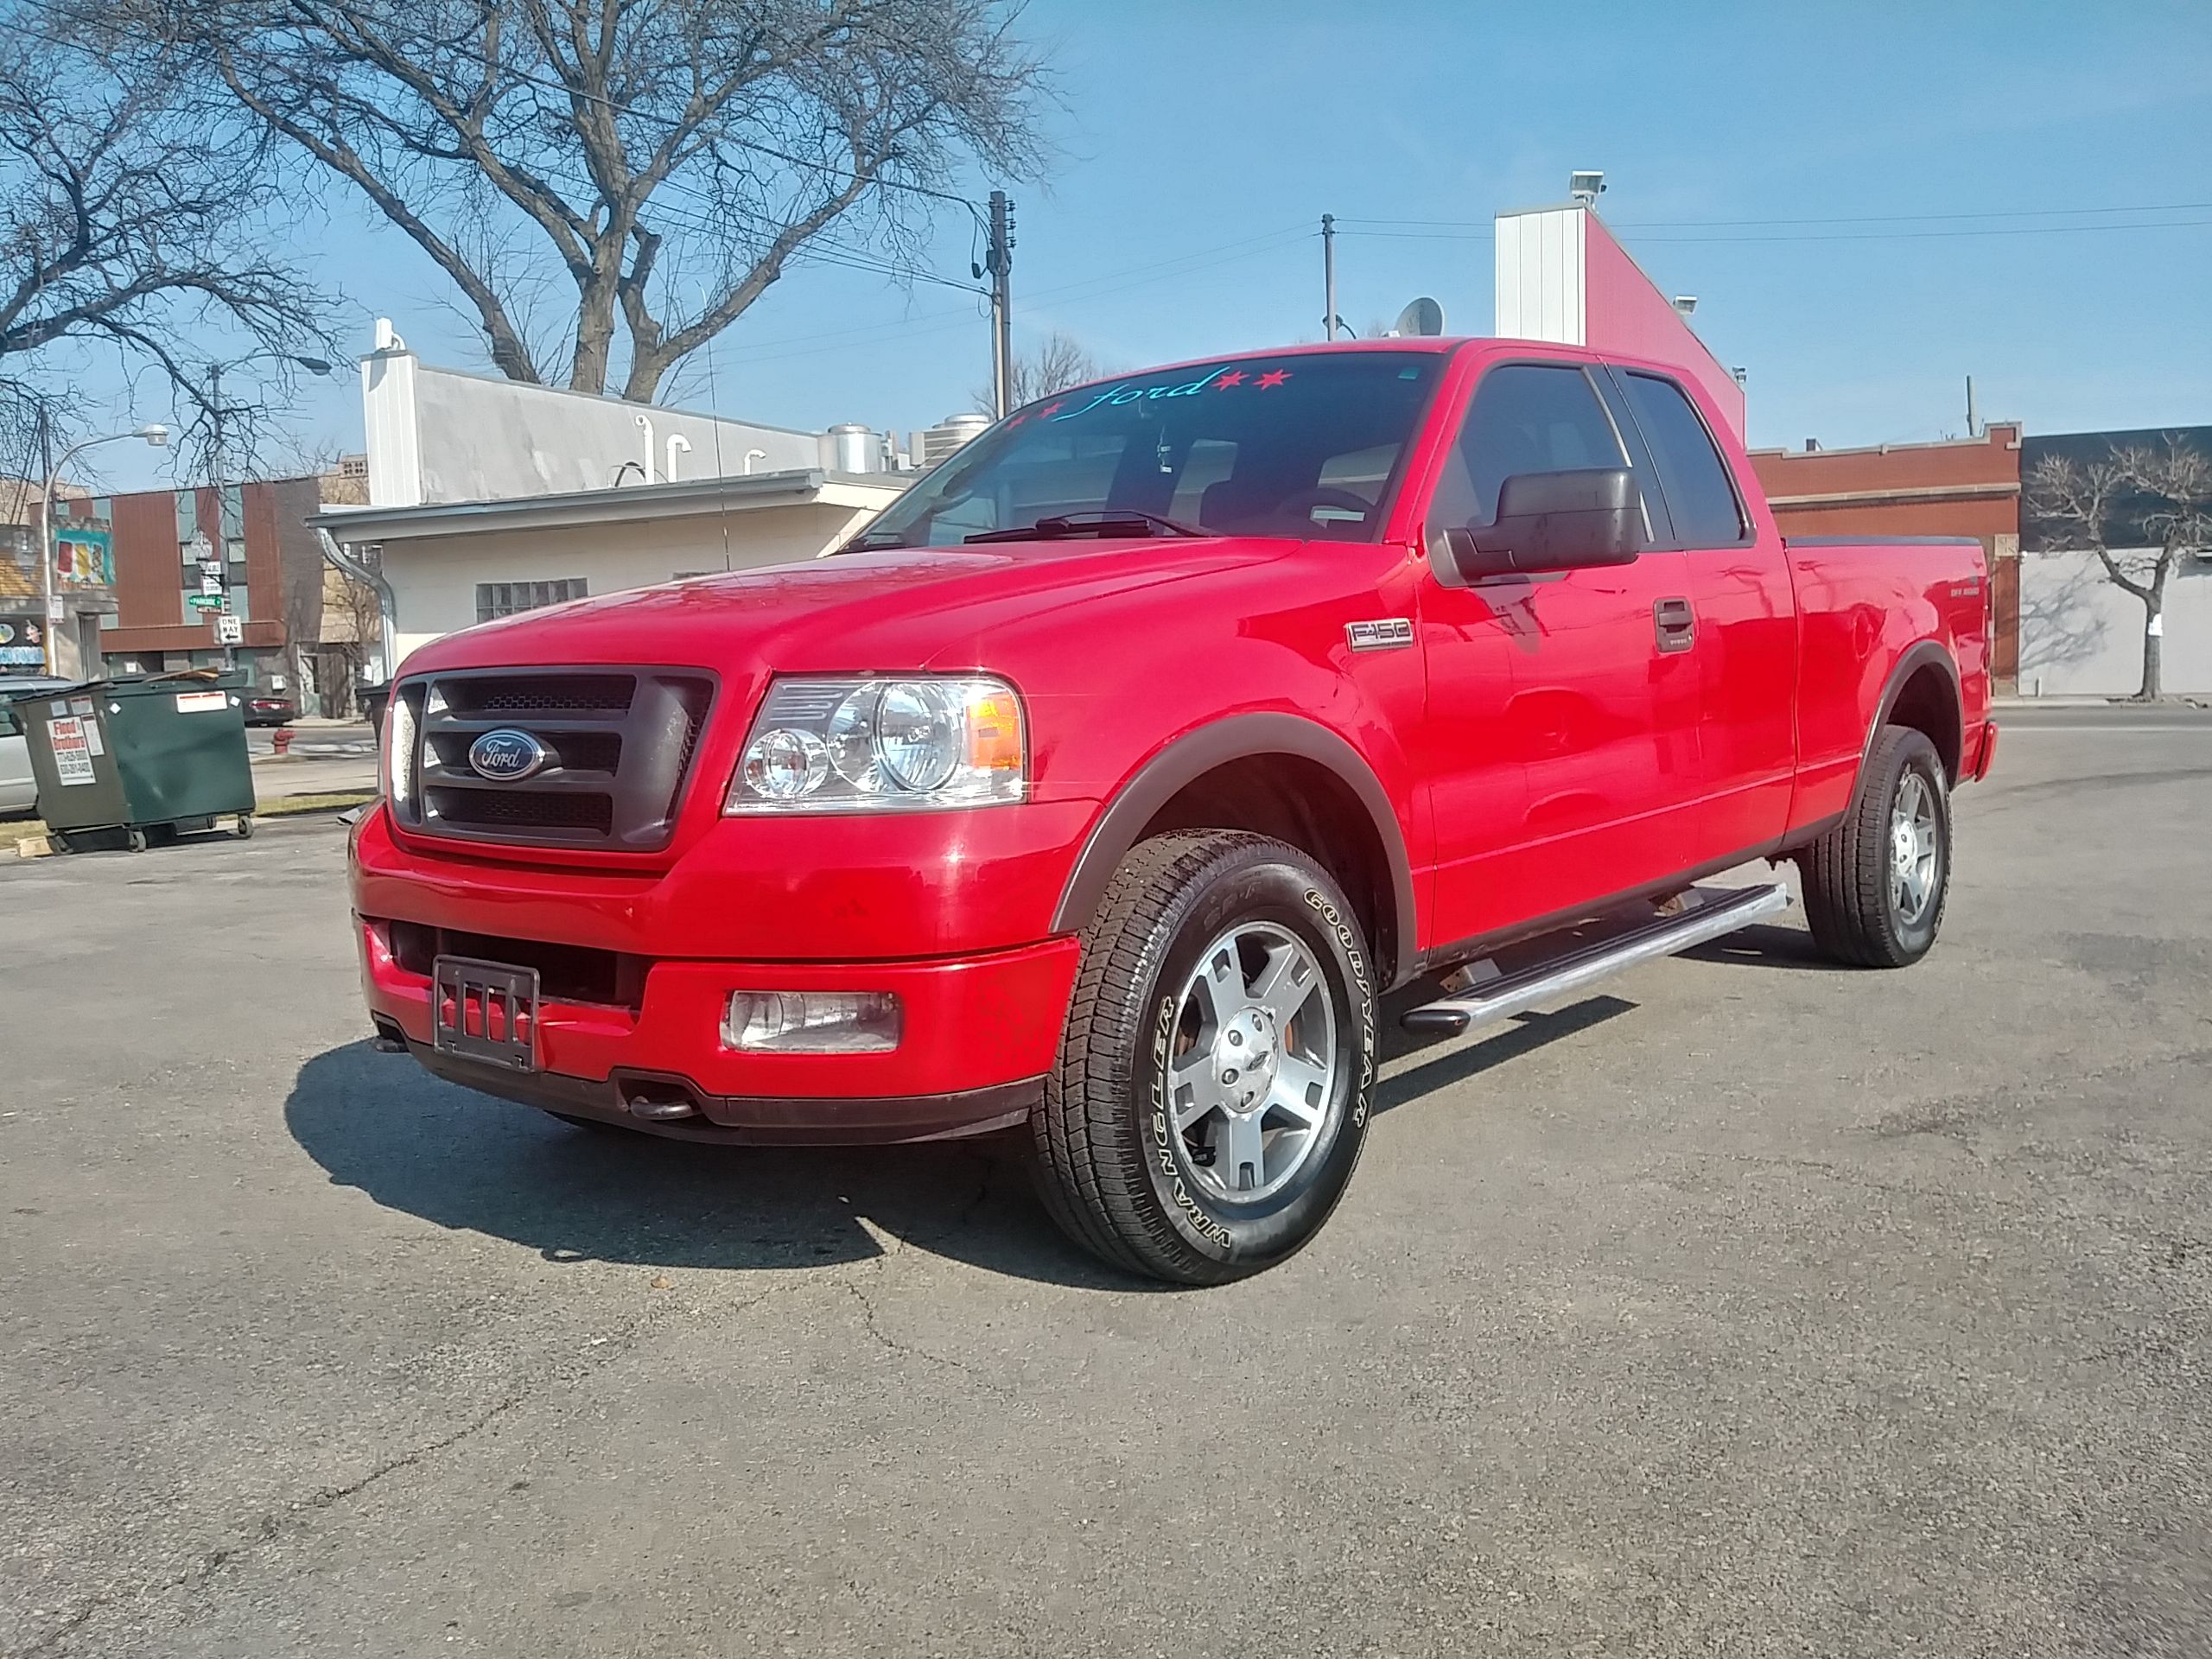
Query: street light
{"points": [[50, 539], [215, 372], [215, 413]]}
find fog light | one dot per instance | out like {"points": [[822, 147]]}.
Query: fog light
{"points": [[811, 1022]]}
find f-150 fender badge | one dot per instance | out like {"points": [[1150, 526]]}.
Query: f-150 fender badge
{"points": [[1390, 634]]}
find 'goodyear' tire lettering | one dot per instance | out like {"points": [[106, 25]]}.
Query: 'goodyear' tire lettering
{"points": [[1348, 940]]}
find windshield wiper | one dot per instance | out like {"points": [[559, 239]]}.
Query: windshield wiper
{"points": [[1107, 521], [875, 541]]}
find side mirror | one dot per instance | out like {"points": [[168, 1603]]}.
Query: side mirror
{"points": [[1555, 521]]}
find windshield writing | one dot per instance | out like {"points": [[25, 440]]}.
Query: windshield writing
{"points": [[1303, 445]]}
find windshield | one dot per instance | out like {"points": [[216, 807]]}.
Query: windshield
{"points": [[1304, 444]]}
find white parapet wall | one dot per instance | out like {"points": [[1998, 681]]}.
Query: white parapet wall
{"points": [[437, 435]]}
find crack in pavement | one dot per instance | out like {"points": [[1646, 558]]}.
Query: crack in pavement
{"points": [[273, 1522]]}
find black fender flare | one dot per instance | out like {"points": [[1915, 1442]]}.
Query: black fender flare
{"points": [[1914, 658], [1190, 757]]}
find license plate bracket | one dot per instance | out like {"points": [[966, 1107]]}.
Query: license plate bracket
{"points": [[485, 1010]]}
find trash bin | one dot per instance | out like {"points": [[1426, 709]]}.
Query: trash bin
{"points": [[139, 757]]}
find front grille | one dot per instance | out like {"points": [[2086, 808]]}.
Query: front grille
{"points": [[618, 748], [532, 694], [589, 815]]}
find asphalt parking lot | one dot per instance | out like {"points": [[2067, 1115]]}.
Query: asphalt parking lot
{"points": [[1747, 1307]]}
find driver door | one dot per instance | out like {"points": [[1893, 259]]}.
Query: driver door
{"points": [[1567, 710]]}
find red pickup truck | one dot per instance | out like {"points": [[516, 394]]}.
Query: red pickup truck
{"points": [[1100, 787]]}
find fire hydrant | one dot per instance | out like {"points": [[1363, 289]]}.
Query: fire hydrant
{"points": [[282, 739]]}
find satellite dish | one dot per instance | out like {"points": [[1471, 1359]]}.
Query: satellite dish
{"points": [[1424, 316]]}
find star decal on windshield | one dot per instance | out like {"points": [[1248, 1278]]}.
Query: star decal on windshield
{"points": [[1234, 378], [1274, 377]]}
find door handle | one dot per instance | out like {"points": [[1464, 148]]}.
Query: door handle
{"points": [[1675, 624]]}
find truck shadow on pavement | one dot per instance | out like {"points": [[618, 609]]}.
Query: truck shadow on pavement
{"points": [[1762, 945], [410, 1142]]}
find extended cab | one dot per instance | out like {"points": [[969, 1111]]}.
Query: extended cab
{"points": [[1100, 787]]}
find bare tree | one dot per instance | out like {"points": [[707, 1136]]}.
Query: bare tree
{"points": [[125, 224], [2142, 512], [670, 158], [1057, 362]]}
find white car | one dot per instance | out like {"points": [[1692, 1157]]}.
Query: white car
{"points": [[18, 789]]}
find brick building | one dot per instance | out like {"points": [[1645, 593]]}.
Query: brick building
{"points": [[272, 571]]}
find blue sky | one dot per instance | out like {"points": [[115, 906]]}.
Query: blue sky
{"points": [[1808, 171]]}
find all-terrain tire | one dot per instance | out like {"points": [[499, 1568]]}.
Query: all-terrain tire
{"points": [[1111, 1168], [1849, 874]]}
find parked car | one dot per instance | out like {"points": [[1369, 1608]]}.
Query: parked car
{"points": [[18, 788], [269, 708], [1098, 790]]}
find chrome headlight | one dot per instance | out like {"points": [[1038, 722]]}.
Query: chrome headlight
{"points": [[854, 744]]}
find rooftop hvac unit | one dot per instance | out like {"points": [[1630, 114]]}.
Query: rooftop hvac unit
{"points": [[938, 441], [854, 449]]}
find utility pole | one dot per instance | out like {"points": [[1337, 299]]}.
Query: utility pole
{"points": [[998, 263], [48, 546], [1329, 276]]}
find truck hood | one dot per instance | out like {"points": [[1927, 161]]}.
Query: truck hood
{"points": [[901, 609]]}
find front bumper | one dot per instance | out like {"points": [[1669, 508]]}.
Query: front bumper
{"points": [[979, 1032]]}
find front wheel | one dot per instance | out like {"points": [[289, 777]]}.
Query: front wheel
{"points": [[1218, 1069], [1877, 883]]}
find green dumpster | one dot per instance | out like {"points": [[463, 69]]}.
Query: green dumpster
{"points": [[141, 757]]}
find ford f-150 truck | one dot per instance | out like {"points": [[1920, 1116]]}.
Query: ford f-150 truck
{"points": [[1099, 788]]}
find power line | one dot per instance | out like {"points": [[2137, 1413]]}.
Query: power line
{"points": [[1630, 233], [1859, 218]]}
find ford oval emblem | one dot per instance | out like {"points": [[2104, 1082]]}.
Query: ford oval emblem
{"points": [[506, 756]]}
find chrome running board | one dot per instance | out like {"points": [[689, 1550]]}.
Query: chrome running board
{"points": [[1711, 912]]}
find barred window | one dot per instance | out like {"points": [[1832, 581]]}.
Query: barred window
{"points": [[498, 599]]}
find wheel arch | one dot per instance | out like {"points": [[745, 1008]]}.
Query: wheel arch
{"points": [[1278, 775], [1921, 692]]}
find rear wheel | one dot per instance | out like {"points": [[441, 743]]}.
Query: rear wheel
{"points": [[1877, 883], [1216, 1074]]}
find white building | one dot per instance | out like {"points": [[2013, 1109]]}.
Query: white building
{"points": [[454, 564], [488, 497]]}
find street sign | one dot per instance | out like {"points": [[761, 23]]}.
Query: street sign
{"points": [[230, 629], [205, 603], [211, 567], [211, 582]]}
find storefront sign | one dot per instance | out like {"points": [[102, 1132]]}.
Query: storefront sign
{"points": [[23, 642]]}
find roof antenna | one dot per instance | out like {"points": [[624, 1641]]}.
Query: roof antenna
{"points": [[715, 398]]}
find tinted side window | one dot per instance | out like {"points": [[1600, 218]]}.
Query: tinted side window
{"points": [[1706, 512], [1526, 417]]}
